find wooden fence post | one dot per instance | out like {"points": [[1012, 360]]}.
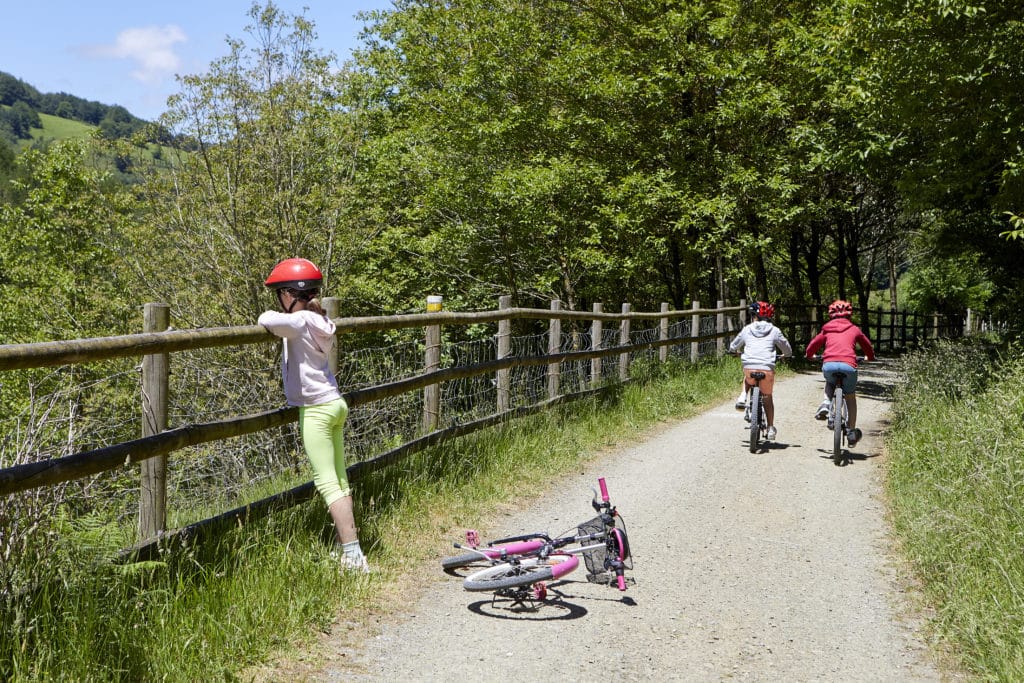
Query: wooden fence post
{"points": [[624, 341], [504, 377], [153, 484], [332, 307], [903, 331], [554, 346], [968, 323], [694, 332], [935, 326], [431, 363], [892, 329], [719, 327], [596, 330], [663, 333]]}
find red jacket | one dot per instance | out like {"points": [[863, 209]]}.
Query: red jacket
{"points": [[838, 336]]}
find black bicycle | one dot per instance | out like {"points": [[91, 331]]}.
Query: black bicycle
{"points": [[838, 417], [755, 413]]}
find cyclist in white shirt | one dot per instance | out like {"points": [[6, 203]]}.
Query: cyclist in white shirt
{"points": [[760, 343]]}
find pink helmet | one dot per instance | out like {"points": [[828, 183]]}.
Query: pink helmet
{"points": [[840, 309]]}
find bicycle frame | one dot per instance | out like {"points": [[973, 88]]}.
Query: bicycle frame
{"points": [[518, 566]]}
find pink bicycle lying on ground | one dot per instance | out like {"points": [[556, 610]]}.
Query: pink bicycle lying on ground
{"points": [[519, 567]]}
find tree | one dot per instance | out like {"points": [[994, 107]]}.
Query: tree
{"points": [[262, 176]]}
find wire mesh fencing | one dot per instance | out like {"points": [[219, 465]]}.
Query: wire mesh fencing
{"points": [[57, 412]]}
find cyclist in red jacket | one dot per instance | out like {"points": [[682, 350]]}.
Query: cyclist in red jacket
{"points": [[840, 337]]}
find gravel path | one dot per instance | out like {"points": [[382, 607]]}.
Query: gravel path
{"points": [[771, 566]]}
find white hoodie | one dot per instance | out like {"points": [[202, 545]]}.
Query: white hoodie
{"points": [[305, 368], [759, 340]]}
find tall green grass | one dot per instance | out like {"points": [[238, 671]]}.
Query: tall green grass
{"points": [[221, 610], [956, 484]]}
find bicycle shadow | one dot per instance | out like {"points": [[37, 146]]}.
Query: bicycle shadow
{"points": [[768, 446], [542, 610], [848, 457]]}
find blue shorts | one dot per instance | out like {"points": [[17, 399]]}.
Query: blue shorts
{"points": [[849, 382]]}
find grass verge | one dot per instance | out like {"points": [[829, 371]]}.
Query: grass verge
{"points": [[956, 485], [253, 602]]}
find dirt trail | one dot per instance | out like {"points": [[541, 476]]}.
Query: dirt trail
{"points": [[772, 566]]}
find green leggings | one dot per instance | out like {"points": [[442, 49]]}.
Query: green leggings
{"points": [[321, 429]]}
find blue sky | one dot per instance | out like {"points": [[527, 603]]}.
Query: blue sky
{"points": [[127, 52]]}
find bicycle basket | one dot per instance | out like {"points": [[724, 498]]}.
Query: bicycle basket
{"points": [[597, 572]]}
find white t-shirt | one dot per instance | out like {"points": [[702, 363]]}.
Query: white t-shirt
{"points": [[305, 368]]}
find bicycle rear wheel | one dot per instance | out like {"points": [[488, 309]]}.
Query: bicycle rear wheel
{"points": [[523, 573], [837, 425], [755, 418]]}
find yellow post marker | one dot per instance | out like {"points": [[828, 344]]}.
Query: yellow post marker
{"points": [[434, 303]]}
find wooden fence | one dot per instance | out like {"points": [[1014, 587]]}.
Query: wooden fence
{"points": [[157, 344], [889, 330]]}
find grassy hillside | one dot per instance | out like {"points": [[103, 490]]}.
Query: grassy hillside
{"points": [[56, 128]]}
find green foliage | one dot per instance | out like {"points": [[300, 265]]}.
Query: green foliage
{"points": [[62, 272], [261, 178], [957, 487]]}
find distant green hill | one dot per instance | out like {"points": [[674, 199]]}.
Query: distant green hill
{"points": [[57, 128]]}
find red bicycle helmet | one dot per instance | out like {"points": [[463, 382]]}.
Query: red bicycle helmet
{"points": [[763, 309], [295, 273], [840, 309]]}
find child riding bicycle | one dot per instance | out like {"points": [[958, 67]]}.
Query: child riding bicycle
{"points": [[760, 341], [840, 336]]}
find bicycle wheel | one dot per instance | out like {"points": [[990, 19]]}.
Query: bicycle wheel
{"points": [[508, 575], [837, 425], [755, 418], [464, 560]]}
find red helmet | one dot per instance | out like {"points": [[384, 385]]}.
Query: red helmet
{"points": [[840, 309], [295, 273], [762, 309]]}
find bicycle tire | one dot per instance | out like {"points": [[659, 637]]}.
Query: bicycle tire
{"points": [[464, 560], [755, 418], [508, 575], [837, 426]]}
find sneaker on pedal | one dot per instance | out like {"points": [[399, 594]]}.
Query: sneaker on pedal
{"points": [[853, 436], [772, 433], [822, 411], [741, 404]]}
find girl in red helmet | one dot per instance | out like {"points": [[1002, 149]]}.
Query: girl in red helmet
{"points": [[310, 385], [840, 337]]}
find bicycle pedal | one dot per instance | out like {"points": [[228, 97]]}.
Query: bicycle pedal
{"points": [[472, 538]]}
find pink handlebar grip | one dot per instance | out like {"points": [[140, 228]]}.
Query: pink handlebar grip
{"points": [[621, 581], [604, 489]]}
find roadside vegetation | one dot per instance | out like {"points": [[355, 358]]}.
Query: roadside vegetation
{"points": [[212, 612], [956, 484]]}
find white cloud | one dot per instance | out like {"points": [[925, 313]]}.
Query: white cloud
{"points": [[150, 47]]}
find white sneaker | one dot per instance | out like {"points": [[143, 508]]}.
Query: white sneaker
{"points": [[347, 563], [741, 404], [822, 410], [772, 433], [353, 564]]}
